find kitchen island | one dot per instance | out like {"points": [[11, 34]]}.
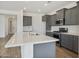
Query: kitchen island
{"points": [[33, 45]]}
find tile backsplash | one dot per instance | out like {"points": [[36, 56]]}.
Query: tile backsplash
{"points": [[71, 28]]}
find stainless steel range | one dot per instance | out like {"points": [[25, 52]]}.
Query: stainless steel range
{"points": [[57, 34]]}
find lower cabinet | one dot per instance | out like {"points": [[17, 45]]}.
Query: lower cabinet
{"points": [[70, 42], [75, 44], [67, 41]]}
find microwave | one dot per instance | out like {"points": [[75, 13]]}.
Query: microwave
{"points": [[60, 22], [57, 22]]}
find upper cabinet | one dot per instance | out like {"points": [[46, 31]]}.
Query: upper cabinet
{"points": [[73, 20], [53, 20], [61, 14], [72, 16], [48, 24], [50, 21], [27, 20], [44, 18], [67, 17], [78, 14], [63, 17]]}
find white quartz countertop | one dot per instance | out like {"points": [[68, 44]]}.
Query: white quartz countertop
{"points": [[20, 39], [76, 34]]}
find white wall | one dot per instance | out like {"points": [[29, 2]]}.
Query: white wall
{"points": [[6, 25], [2, 26], [37, 24], [20, 21], [8, 12]]}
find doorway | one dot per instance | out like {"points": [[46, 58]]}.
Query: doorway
{"points": [[12, 24]]}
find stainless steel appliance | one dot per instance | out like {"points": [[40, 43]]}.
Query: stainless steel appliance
{"points": [[57, 34], [60, 22]]}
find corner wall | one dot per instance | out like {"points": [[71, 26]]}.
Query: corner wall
{"points": [[2, 26]]}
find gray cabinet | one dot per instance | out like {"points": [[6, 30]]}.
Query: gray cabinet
{"points": [[70, 42], [50, 21], [73, 20], [53, 20], [71, 16], [44, 18], [67, 17], [48, 24], [61, 13], [27, 21], [66, 41], [78, 14], [75, 44], [61, 16]]}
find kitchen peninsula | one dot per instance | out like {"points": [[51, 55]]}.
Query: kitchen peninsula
{"points": [[33, 45]]}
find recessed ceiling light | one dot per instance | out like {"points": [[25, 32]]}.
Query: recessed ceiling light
{"points": [[39, 10], [24, 8], [45, 4]]}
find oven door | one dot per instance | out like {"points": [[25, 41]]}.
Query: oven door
{"points": [[55, 35]]}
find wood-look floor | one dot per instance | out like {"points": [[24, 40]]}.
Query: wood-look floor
{"points": [[65, 53], [15, 52], [8, 52]]}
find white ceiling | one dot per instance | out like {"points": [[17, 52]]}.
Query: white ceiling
{"points": [[33, 6]]}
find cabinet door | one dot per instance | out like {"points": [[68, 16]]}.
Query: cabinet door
{"points": [[67, 41], [48, 19], [78, 14], [27, 21], [48, 24], [75, 44], [53, 20], [48, 27], [60, 14], [73, 20], [67, 17], [44, 18]]}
